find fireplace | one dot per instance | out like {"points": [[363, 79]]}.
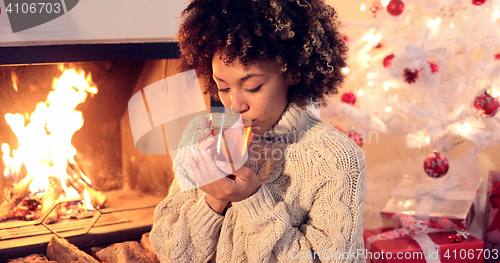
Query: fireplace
{"points": [[131, 182]]}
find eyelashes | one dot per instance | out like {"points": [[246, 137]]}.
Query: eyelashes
{"points": [[254, 89], [247, 90]]}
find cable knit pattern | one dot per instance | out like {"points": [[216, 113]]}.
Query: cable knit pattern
{"points": [[311, 200]]}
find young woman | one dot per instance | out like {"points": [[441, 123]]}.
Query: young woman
{"points": [[299, 196]]}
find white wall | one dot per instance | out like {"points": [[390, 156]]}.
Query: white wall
{"points": [[98, 21]]}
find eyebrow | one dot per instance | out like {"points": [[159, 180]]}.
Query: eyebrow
{"points": [[242, 79]]}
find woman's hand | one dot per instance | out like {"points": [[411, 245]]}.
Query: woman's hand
{"points": [[222, 189]]}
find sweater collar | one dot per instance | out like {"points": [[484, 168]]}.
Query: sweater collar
{"points": [[291, 119]]}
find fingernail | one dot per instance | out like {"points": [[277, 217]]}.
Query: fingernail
{"points": [[209, 151]]}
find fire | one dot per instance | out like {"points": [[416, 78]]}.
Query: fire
{"points": [[45, 146], [14, 80]]}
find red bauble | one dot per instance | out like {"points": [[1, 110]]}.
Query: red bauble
{"points": [[376, 7], [339, 129], [436, 165], [486, 106], [349, 97], [346, 38], [395, 7], [411, 75], [388, 60], [355, 137], [478, 2], [434, 67], [497, 56]]}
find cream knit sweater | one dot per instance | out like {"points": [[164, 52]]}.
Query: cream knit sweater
{"points": [[311, 200]]}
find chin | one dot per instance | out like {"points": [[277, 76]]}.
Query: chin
{"points": [[257, 130]]}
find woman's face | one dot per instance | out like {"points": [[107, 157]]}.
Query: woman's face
{"points": [[258, 91]]}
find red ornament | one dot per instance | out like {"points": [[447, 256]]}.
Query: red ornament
{"points": [[395, 7], [497, 56], [346, 38], [436, 165], [434, 67], [375, 7], [486, 106], [478, 2], [339, 129], [388, 60], [355, 137], [379, 45], [411, 75], [349, 97]]}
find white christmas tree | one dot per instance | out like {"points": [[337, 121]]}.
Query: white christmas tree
{"points": [[427, 69]]}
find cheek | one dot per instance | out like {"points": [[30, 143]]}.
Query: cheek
{"points": [[225, 99]]}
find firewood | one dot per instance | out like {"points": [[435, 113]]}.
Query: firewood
{"points": [[126, 252], [50, 198], [96, 197], [61, 251], [94, 251], [78, 180], [146, 244], [18, 192], [35, 258], [75, 167]]}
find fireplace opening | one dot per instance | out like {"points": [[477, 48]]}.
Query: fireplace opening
{"points": [[113, 187]]}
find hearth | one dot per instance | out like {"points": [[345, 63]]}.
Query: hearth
{"points": [[106, 164]]}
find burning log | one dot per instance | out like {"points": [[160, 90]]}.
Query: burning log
{"points": [[96, 197], [81, 183], [126, 252], [50, 198], [18, 192], [60, 250]]}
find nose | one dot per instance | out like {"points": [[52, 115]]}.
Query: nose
{"points": [[239, 102]]}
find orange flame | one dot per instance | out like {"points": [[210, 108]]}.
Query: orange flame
{"points": [[45, 143], [14, 80]]}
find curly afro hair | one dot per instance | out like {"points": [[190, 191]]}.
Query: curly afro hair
{"points": [[301, 35]]}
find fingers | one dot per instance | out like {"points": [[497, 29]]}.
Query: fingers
{"points": [[206, 129], [196, 171], [207, 167], [208, 143], [209, 164], [204, 122]]}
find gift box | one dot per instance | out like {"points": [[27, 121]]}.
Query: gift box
{"points": [[492, 215], [406, 249], [446, 203]]}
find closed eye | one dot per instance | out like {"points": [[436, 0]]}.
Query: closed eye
{"points": [[224, 90], [254, 89]]}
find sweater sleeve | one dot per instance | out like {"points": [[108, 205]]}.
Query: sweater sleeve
{"points": [[333, 231], [185, 228]]}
